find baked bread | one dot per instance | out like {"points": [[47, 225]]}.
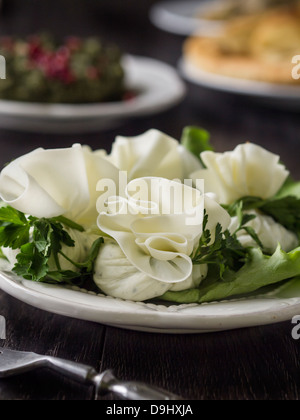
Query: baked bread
{"points": [[228, 9], [257, 47]]}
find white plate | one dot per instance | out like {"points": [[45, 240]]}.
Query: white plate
{"points": [[159, 85], [187, 319], [275, 94], [183, 17]]}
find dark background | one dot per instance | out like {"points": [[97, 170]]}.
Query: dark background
{"points": [[248, 364]]}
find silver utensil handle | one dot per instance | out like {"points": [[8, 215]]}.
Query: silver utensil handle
{"points": [[131, 390], [73, 370], [20, 362], [139, 391]]}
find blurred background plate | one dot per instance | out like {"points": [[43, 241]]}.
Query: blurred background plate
{"points": [[278, 95], [158, 85], [184, 17]]}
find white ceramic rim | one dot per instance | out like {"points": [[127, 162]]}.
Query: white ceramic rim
{"points": [[148, 317], [238, 86], [184, 17]]}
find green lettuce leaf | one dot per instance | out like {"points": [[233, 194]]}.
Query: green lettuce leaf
{"points": [[259, 271], [290, 187], [196, 140]]}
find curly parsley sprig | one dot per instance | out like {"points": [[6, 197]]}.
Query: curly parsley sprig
{"points": [[225, 251], [38, 240], [285, 210]]}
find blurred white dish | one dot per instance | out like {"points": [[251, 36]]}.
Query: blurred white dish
{"points": [[159, 88], [184, 17], [275, 94]]}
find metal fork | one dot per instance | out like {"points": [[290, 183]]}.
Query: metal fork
{"points": [[17, 362]]}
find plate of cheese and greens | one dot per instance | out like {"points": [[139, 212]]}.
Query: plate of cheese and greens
{"points": [[159, 235]]}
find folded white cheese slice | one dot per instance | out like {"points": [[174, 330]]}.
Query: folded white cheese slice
{"points": [[117, 277], [50, 183]]}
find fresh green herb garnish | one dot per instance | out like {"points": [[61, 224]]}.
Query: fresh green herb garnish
{"points": [[2, 256], [236, 271], [225, 251], [284, 210], [258, 272], [196, 140], [39, 240], [14, 228]]}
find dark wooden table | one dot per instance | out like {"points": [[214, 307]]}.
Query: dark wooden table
{"points": [[260, 363]]}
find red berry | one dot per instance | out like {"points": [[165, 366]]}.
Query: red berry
{"points": [[73, 43], [92, 73], [129, 95]]}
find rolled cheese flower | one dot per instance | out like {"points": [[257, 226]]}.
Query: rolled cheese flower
{"points": [[116, 276], [248, 170], [268, 231], [50, 183], [158, 224], [152, 154]]}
